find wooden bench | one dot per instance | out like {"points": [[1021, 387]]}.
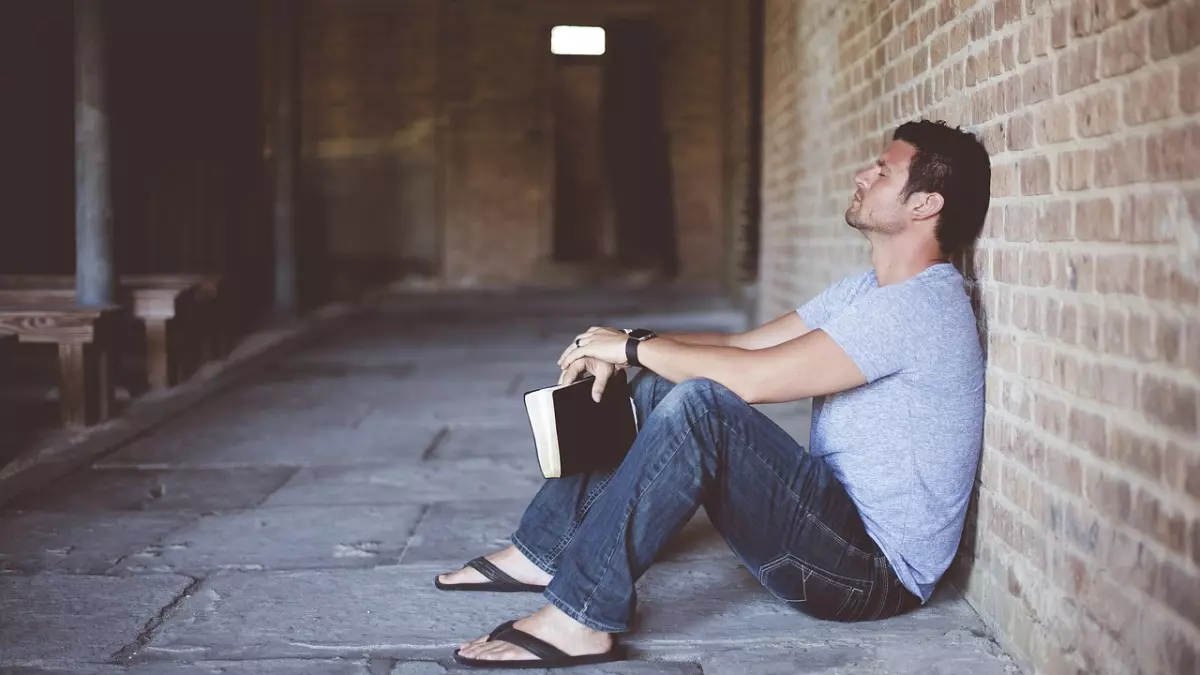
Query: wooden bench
{"points": [[160, 301], [84, 339]]}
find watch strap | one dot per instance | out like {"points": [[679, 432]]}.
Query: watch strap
{"points": [[631, 346]]}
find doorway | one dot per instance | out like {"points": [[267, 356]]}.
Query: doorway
{"points": [[613, 203]]}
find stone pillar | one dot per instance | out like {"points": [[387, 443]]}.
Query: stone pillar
{"points": [[282, 17], [95, 273]]}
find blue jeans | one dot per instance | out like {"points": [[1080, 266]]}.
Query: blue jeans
{"points": [[782, 511]]}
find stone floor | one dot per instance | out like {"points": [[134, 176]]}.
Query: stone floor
{"points": [[294, 524]]}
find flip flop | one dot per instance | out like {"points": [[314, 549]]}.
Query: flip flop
{"points": [[548, 655], [498, 581]]}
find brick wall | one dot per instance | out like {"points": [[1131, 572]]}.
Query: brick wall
{"points": [[427, 136], [1083, 545]]}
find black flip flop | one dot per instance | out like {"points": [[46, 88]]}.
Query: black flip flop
{"points": [[499, 582], [548, 655]]}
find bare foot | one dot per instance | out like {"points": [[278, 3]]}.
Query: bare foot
{"points": [[549, 624], [510, 561]]}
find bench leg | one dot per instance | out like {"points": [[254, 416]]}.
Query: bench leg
{"points": [[84, 383], [158, 350]]}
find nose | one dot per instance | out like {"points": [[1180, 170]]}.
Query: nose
{"points": [[860, 178]]}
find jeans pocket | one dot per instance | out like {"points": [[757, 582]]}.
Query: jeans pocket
{"points": [[813, 591]]}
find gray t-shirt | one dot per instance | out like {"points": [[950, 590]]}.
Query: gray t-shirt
{"points": [[906, 444]]}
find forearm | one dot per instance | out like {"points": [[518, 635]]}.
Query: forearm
{"points": [[710, 339], [678, 361]]}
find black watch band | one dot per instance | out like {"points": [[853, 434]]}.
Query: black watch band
{"points": [[631, 345]]}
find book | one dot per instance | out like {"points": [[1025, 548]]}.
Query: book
{"points": [[573, 433]]}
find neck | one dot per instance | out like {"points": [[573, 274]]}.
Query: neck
{"points": [[896, 260]]}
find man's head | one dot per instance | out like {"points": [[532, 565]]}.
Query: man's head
{"points": [[932, 178]]}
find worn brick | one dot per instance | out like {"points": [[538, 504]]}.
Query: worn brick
{"points": [[1132, 450], [1169, 402], [1163, 280], [1149, 217], [1178, 589], [1189, 86], [1121, 163], [1054, 223], [1119, 273], [1075, 170], [1035, 176], [1094, 220], [1171, 154], [1037, 83], [1150, 515], [1151, 97], [1123, 49], [1098, 113], [1076, 68], [1053, 123], [1020, 132]]}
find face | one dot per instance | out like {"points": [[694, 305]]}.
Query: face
{"points": [[876, 205]]}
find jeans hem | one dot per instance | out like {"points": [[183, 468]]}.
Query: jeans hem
{"points": [[531, 556], [580, 616]]}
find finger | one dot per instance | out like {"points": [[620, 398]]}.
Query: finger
{"points": [[601, 381], [575, 343], [572, 371]]}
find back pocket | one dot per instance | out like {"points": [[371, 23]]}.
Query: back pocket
{"points": [[809, 589]]}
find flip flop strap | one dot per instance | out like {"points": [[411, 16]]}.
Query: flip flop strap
{"points": [[493, 573], [538, 647]]}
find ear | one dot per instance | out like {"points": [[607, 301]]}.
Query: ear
{"points": [[926, 205]]}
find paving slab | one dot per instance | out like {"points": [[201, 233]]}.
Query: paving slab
{"points": [[196, 490], [252, 667], [685, 607], [273, 447], [59, 618], [618, 668], [488, 442], [301, 537], [78, 543], [413, 482], [454, 532]]}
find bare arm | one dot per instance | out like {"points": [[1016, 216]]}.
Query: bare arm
{"points": [[766, 375], [777, 331]]}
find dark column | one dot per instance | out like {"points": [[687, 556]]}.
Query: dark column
{"points": [[95, 274], [282, 17]]}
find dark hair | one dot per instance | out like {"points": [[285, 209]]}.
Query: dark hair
{"points": [[954, 164]]}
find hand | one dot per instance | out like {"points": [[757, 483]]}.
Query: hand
{"points": [[605, 344], [596, 367]]}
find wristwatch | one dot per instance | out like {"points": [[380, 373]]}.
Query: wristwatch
{"points": [[636, 337]]}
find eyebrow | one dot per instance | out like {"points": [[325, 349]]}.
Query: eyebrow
{"points": [[881, 164]]}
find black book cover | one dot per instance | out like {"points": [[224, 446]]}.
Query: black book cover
{"points": [[594, 436]]}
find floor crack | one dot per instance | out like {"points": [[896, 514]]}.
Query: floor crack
{"points": [[433, 445], [425, 509], [129, 651]]}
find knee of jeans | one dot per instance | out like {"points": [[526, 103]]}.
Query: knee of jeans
{"points": [[699, 394]]}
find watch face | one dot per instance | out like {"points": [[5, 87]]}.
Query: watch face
{"points": [[640, 333]]}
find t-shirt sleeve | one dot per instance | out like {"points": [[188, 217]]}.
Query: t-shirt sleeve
{"points": [[878, 331], [830, 301]]}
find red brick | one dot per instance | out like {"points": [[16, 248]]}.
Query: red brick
{"points": [[1075, 170], [1052, 123], [1004, 180], [1162, 280], [1123, 49], [1121, 163], [1184, 27], [1055, 221], [1020, 132], [1087, 432], [1077, 68], [1131, 450], [1111, 496], [1116, 332], [1171, 154], [1132, 564], [1189, 86], [1118, 273], [1025, 42], [1037, 83], [1151, 516], [1151, 97], [1169, 402], [1098, 114], [1035, 176], [1058, 27], [1065, 472], [1118, 385], [1077, 272], [1148, 217], [1179, 591], [1094, 220]]}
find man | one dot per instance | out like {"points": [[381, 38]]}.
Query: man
{"points": [[861, 526]]}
